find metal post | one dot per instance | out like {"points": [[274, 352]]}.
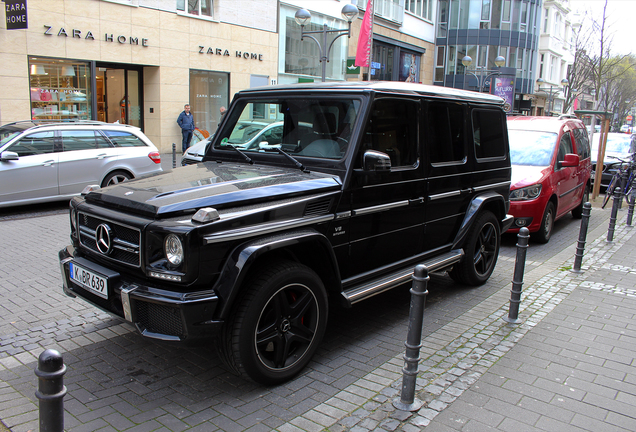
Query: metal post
{"points": [[407, 401], [617, 196], [174, 155], [51, 391], [517, 281], [580, 246]]}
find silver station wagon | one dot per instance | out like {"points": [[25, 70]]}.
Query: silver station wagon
{"points": [[41, 162]]}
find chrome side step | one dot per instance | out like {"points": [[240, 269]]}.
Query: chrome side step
{"points": [[362, 292]]}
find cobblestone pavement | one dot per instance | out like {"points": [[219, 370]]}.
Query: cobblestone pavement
{"points": [[119, 381]]}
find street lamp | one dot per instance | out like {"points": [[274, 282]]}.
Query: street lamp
{"points": [[303, 17], [551, 92], [481, 80]]}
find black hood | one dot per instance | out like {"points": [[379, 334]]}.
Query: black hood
{"points": [[211, 184]]}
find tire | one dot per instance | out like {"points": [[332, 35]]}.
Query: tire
{"points": [[277, 325], [547, 224], [577, 212], [481, 251], [116, 177]]}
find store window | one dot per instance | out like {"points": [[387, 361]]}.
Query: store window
{"points": [[302, 58], [60, 89], [196, 7], [209, 91], [422, 8]]}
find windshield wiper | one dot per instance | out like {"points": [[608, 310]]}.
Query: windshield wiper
{"points": [[293, 159], [246, 157]]}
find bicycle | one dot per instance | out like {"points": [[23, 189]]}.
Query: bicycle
{"points": [[629, 168]]}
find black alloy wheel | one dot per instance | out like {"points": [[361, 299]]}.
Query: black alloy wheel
{"points": [[278, 325], [481, 249]]}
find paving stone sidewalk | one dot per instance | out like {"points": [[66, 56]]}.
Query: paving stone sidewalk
{"points": [[570, 364], [119, 381]]}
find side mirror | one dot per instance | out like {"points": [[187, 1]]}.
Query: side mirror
{"points": [[570, 160], [376, 161], [8, 156]]}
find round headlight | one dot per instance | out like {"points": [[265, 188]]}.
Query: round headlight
{"points": [[173, 249]]}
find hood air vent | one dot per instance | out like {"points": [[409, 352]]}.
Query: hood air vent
{"points": [[318, 208]]}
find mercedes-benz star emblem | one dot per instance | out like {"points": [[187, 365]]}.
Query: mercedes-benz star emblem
{"points": [[103, 236]]}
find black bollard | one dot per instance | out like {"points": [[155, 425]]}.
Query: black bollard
{"points": [[580, 246], [407, 401], [51, 391], [174, 155], [617, 197], [517, 281]]}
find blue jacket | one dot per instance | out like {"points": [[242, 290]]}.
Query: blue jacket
{"points": [[186, 121]]}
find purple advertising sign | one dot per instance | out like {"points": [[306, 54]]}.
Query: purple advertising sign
{"points": [[505, 88]]}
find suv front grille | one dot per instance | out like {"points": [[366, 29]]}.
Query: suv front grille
{"points": [[125, 242]]}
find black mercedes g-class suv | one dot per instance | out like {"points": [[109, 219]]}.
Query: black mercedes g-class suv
{"points": [[352, 186]]}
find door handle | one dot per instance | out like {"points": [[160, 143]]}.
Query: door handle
{"points": [[101, 156], [48, 162], [466, 191], [415, 201]]}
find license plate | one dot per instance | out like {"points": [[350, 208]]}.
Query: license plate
{"points": [[92, 281]]}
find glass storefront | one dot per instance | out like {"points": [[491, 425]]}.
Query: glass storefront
{"points": [[209, 91], [118, 92], [394, 63], [300, 60], [60, 89]]}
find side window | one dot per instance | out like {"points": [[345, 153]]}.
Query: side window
{"points": [[488, 133], [393, 129], [445, 132], [82, 140], [34, 144], [582, 143], [123, 139], [565, 147]]}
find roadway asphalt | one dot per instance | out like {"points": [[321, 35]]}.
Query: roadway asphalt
{"points": [[569, 364]]}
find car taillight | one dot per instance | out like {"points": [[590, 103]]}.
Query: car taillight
{"points": [[155, 156]]}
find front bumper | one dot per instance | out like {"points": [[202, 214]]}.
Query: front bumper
{"points": [[156, 312]]}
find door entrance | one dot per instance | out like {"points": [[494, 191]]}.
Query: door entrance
{"points": [[118, 91]]}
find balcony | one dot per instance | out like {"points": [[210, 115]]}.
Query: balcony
{"points": [[391, 10]]}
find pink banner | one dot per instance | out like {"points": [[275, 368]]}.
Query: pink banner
{"points": [[364, 41]]}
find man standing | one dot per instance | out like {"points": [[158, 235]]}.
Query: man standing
{"points": [[186, 121]]}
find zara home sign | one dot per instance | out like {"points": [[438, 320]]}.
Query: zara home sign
{"points": [[89, 35], [16, 11]]}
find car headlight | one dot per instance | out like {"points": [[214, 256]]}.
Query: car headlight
{"points": [[173, 249], [526, 193]]}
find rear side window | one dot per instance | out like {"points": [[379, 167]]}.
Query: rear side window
{"points": [[124, 139], [82, 140], [582, 143], [392, 129], [34, 144], [445, 132], [488, 133]]}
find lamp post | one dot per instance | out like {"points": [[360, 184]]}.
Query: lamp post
{"points": [[551, 92], [481, 80], [303, 17]]}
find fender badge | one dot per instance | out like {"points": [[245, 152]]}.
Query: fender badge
{"points": [[128, 193]]}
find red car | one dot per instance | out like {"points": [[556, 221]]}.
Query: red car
{"points": [[551, 170]]}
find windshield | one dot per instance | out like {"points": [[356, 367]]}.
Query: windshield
{"points": [[616, 143], [6, 137], [310, 127], [531, 147]]}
